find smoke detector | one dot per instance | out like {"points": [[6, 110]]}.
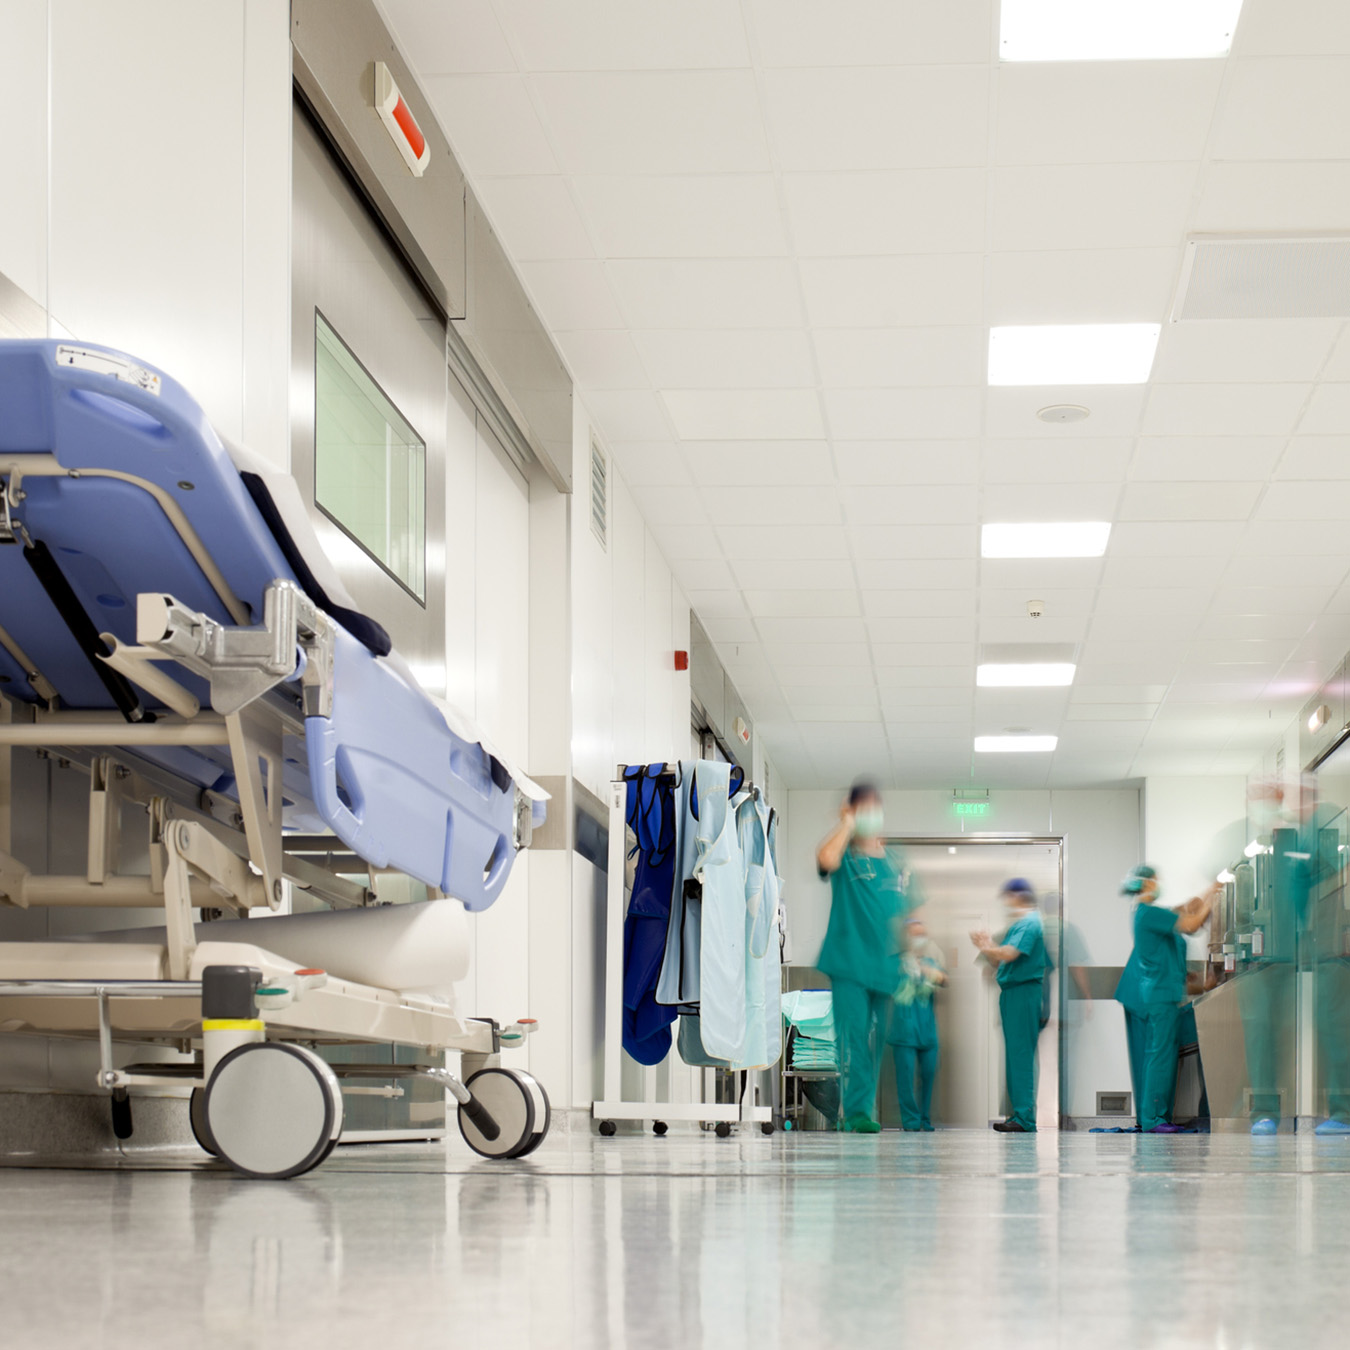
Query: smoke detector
{"points": [[1064, 412]]}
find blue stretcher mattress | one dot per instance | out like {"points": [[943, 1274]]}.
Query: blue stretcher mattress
{"points": [[387, 772]]}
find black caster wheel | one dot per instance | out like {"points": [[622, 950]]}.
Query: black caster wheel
{"points": [[722, 1129], [121, 1113], [659, 1127], [608, 1128], [766, 1127], [197, 1119], [517, 1103]]}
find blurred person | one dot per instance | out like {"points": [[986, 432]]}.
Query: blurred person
{"points": [[1152, 990], [1020, 963], [913, 1036], [1068, 951], [861, 951]]}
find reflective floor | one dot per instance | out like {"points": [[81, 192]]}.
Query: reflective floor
{"points": [[956, 1238]]}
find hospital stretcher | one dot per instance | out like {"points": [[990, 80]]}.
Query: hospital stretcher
{"points": [[169, 623]]}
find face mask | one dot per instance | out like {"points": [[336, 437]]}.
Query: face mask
{"points": [[868, 822]]}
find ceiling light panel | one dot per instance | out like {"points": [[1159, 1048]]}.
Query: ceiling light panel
{"points": [[1045, 539], [1069, 354], [1143, 30], [1011, 745], [1024, 675]]}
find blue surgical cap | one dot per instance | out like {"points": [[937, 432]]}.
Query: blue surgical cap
{"points": [[1019, 886], [1134, 883]]}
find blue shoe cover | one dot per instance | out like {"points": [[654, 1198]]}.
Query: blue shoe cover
{"points": [[1265, 1126], [1332, 1126]]}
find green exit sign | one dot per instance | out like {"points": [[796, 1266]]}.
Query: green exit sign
{"points": [[970, 808]]}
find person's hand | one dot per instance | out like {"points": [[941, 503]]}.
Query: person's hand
{"points": [[846, 817], [980, 937]]}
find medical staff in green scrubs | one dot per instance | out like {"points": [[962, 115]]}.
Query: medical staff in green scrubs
{"points": [[913, 1036], [861, 951], [1020, 962], [1152, 989]]}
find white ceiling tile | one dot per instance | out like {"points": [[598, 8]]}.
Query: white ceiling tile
{"points": [[1328, 411], [730, 630], [1144, 628], [1036, 576], [1117, 693], [838, 712], [997, 602], [1143, 570], [723, 216], [628, 414], [1087, 461], [1272, 599], [1090, 205], [1237, 651], [812, 684], [899, 211], [800, 603], [726, 359], [895, 292], [896, 603], [1338, 367], [1132, 539], [1223, 409], [1010, 413], [769, 541], [1007, 628], [452, 37], [1289, 538], [603, 358], [535, 217], [926, 676], [707, 293], [1123, 111], [666, 505], [877, 119], [1288, 627], [756, 463], [883, 462], [491, 123], [655, 122], [1151, 601], [650, 463], [924, 505], [745, 414], [1315, 457], [1244, 570], [1286, 109], [1081, 285], [1048, 501], [876, 414], [1189, 501], [812, 657], [917, 574], [924, 628], [1270, 351], [914, 541], [1166, 458], [1306, 501], [924, 654], [820, 628], [686, 541], [865, 358], [876, 33], [773, 506], [1292, 28], [805, 574], [1272, 196], [615, 35], [708, 574], [718, 605], [938, 696], [571, 294]]}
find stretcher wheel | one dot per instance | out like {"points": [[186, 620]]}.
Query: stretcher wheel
{"points": [[517, 1103], [766, 1127], [197, 1119], [722, 1129], [608, 1128], [659, 1127], [273, 1110]]}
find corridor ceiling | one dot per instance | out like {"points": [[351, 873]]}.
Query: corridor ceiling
{"points": [[770, 238]]}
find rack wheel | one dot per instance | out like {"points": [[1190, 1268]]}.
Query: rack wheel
{"points": [[519, 1106], [723, 1129], [121, 1113], [273, 1110], [608, 1128], [659, 1127], [766, 1127], [788, 1125], [197, 1119]]}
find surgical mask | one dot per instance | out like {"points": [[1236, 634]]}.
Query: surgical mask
{"points": [[868, 822]]}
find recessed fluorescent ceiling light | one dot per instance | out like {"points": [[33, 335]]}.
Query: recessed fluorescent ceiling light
{"points": [[1046, 539], [1027, 674], [1139, 30], [1011, 745], [1072, 353]]}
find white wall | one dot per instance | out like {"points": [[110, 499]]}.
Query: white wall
{"points": [[1102, 841]]}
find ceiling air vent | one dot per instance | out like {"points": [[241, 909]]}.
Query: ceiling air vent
{"points": [[1248, 277], [599, 494]]}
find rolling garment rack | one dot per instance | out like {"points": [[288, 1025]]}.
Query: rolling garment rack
{"points": [[615, 1107]]}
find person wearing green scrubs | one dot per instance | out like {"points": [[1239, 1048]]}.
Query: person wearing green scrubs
{"points": [[1152, 989], [1020, 963], [913, 1036], [861, 951]]}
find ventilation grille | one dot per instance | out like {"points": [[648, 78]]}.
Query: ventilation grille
{"points": [[1113, 1103], [599, 494], [1265, 279]]}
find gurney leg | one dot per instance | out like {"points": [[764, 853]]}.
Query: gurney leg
{"points": [[181, 939], [251, 747]]}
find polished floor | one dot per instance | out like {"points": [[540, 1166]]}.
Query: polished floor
{"points": [[950, 1239]]}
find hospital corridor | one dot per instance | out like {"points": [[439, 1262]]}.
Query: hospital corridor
{"points": [[674, 674]]}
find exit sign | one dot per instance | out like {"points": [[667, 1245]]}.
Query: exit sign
{"points": [[970, 808]]}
